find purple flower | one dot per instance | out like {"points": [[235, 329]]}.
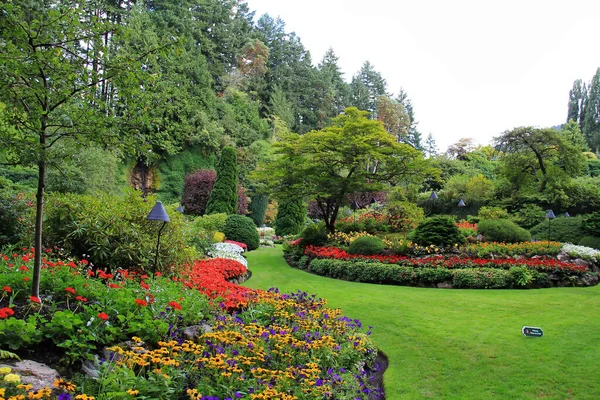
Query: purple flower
{"points": [[238, 395], [319, 382], [64, 396]]}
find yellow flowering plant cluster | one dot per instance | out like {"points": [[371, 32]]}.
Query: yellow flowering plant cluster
{"points": [[11, 388], [282, 346], [526, 249], [345, 239]]}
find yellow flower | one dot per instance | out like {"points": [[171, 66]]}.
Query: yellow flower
{"points": [[24, 387], [193, 393], [133, 392], [2, 390], [5, 370], [84, 397], [13, 378]]}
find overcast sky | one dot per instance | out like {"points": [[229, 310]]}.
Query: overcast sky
{"points": [[471, 68]]}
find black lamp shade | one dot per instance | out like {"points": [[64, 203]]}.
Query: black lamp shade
{"points": [[432, 196], [158, 213], [461, 203], [550, 215]]}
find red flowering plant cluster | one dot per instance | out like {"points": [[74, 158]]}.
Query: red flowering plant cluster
{"points": [[211, 277], [453, 262], [82, 310]]}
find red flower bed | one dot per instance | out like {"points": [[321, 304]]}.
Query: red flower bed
{"points": [[210, 277], [540, 264]]}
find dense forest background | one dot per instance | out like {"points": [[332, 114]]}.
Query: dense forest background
{"points": [[169, 84]]}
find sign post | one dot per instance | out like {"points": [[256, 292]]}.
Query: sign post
{"points": [[531, 331]]}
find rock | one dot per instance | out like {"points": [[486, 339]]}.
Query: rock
{"points": [[34, 373], [589, 279], [91, 368], [444, 285], [564, 257], [195, 331], [580, 262]]}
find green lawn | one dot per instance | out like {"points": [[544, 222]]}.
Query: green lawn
{"points": [[464, 344]]}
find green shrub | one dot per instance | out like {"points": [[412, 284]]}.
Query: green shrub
{"points": [[224, 196], [591, 224], [114, 231], [403, 215], [291, 215], [440, 231], [367, 245], [503, 230], [314, 235], [492, 213], [482, 278], [242, 229], [210, 223], [17, 216], [564, 229], [590, 241], [529, 216]]}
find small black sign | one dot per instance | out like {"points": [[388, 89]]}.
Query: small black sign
{"points": [[531, 331]]}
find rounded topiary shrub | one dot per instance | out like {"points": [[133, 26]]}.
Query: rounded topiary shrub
{"points": [[314, 235], [503, 230], [440, 231], [590, 241], [242, 229], [564, 229], [367, 245]]}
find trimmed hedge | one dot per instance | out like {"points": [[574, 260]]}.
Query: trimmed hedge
{"points": [[242, 229], [366, 245], [503, 230], [471, 278]]}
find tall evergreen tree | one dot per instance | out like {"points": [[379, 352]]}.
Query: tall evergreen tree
{"points": [[591, 120], [430, 146], [366, 86], [224, 196], [333, 90], [414, 136], [575, 99], [258, 208]]}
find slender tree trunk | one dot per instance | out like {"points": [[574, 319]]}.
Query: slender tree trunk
{"points": [[39, 214]]}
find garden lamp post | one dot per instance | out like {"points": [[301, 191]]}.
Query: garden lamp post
{"points": [[433, 196], [461, 203], [354, 206], [550, 216], [158, 213]]}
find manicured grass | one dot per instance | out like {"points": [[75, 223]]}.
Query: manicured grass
{"points": [[464, 344]]}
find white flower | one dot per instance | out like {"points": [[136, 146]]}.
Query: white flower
{"points": [[583, 252]]}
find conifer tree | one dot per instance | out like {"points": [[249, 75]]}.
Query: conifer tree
{"points": [[258, 208], [291, 214], [591, 119], [224, 196]]}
